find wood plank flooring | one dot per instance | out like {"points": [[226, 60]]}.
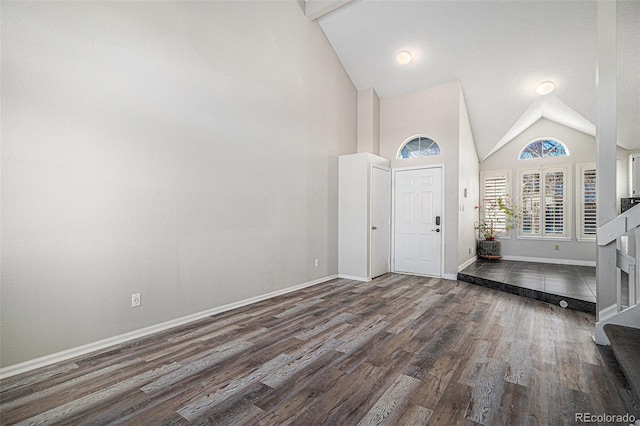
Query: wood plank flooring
{"points": [[398, 350]]}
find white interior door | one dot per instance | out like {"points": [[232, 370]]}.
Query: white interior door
{"points": [[418, 221], [380, 230]]}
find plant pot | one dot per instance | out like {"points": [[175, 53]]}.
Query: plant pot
{"points": [[489, 249]]}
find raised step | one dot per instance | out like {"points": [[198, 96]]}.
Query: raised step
{"points": [[541, 295], [625, 344]]}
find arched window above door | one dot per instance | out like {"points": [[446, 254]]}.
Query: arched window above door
{"points": [[419, 146]]}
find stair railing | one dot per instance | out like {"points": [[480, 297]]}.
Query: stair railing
{"points": [[625, 230]]}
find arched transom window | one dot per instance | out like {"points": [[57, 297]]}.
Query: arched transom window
{"points": [[545, 147], [419, 146]]}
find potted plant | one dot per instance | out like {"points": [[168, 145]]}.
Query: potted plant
{"points": [[496, 216]]}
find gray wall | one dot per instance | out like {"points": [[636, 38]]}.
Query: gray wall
{"points": [[187, 151]]}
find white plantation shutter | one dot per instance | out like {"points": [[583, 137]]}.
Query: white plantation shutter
{"points": [[544, 202], [495, 186], [554, 203], [530, 190], [587, 224]]}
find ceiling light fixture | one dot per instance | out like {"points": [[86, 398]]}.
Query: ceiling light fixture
{"points": [[403, 57], [545, 88]]}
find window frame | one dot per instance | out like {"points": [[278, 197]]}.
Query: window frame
{"points": [[581, 168], [411, 139], [506, 174], [564, 146], [542, 219]]}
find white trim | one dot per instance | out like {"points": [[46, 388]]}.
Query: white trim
{"points": [[599, 337], [467, 263], [451, 277], [418, 167], [539, 238], [22, 367], [586, 240], [354, 278], [370, 218], [579, 201], [415, 274], [552, 261], [608, 312]]}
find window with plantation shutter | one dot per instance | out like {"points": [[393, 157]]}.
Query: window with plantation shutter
{"points": [[587, 224], [554, 203], [544, 202], [495, 185], [530, 182]]}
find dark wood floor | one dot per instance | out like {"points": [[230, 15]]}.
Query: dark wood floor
{"points": [[397, 350]]}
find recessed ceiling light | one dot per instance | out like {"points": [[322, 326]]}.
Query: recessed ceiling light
{"points": [[403, 57], [545, 88]]}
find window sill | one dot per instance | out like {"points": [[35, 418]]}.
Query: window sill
{"points": [[586, 240], [539, 238]]}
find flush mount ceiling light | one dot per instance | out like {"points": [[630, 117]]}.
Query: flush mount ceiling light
{"points": [[545, 88], [403, 57]]}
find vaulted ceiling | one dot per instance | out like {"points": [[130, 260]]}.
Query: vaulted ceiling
{"points": [[499, 51]]}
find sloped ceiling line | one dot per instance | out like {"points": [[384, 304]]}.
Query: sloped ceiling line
{"points": [[551, 108]]}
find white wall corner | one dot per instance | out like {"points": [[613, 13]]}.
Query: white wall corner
{"points": [[368, 126]]}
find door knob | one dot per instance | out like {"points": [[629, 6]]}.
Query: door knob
{"points": [[374, 228], [437, 229]]}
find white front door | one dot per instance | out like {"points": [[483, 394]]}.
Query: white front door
{"points": [[418, 221], [380, 230]]}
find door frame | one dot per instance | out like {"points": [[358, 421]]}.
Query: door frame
{"points": [[386, 169], [393, 211]]}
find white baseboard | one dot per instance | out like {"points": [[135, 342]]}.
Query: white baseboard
{"points": [[467, 263], [354, 278], [549, 260], [12, 370], [452, 277]]}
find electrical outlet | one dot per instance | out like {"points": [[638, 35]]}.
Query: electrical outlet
{"points": [[316, 263], [135, 300]]}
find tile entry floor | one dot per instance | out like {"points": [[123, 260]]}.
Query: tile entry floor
{"points": [[539, 281]]}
